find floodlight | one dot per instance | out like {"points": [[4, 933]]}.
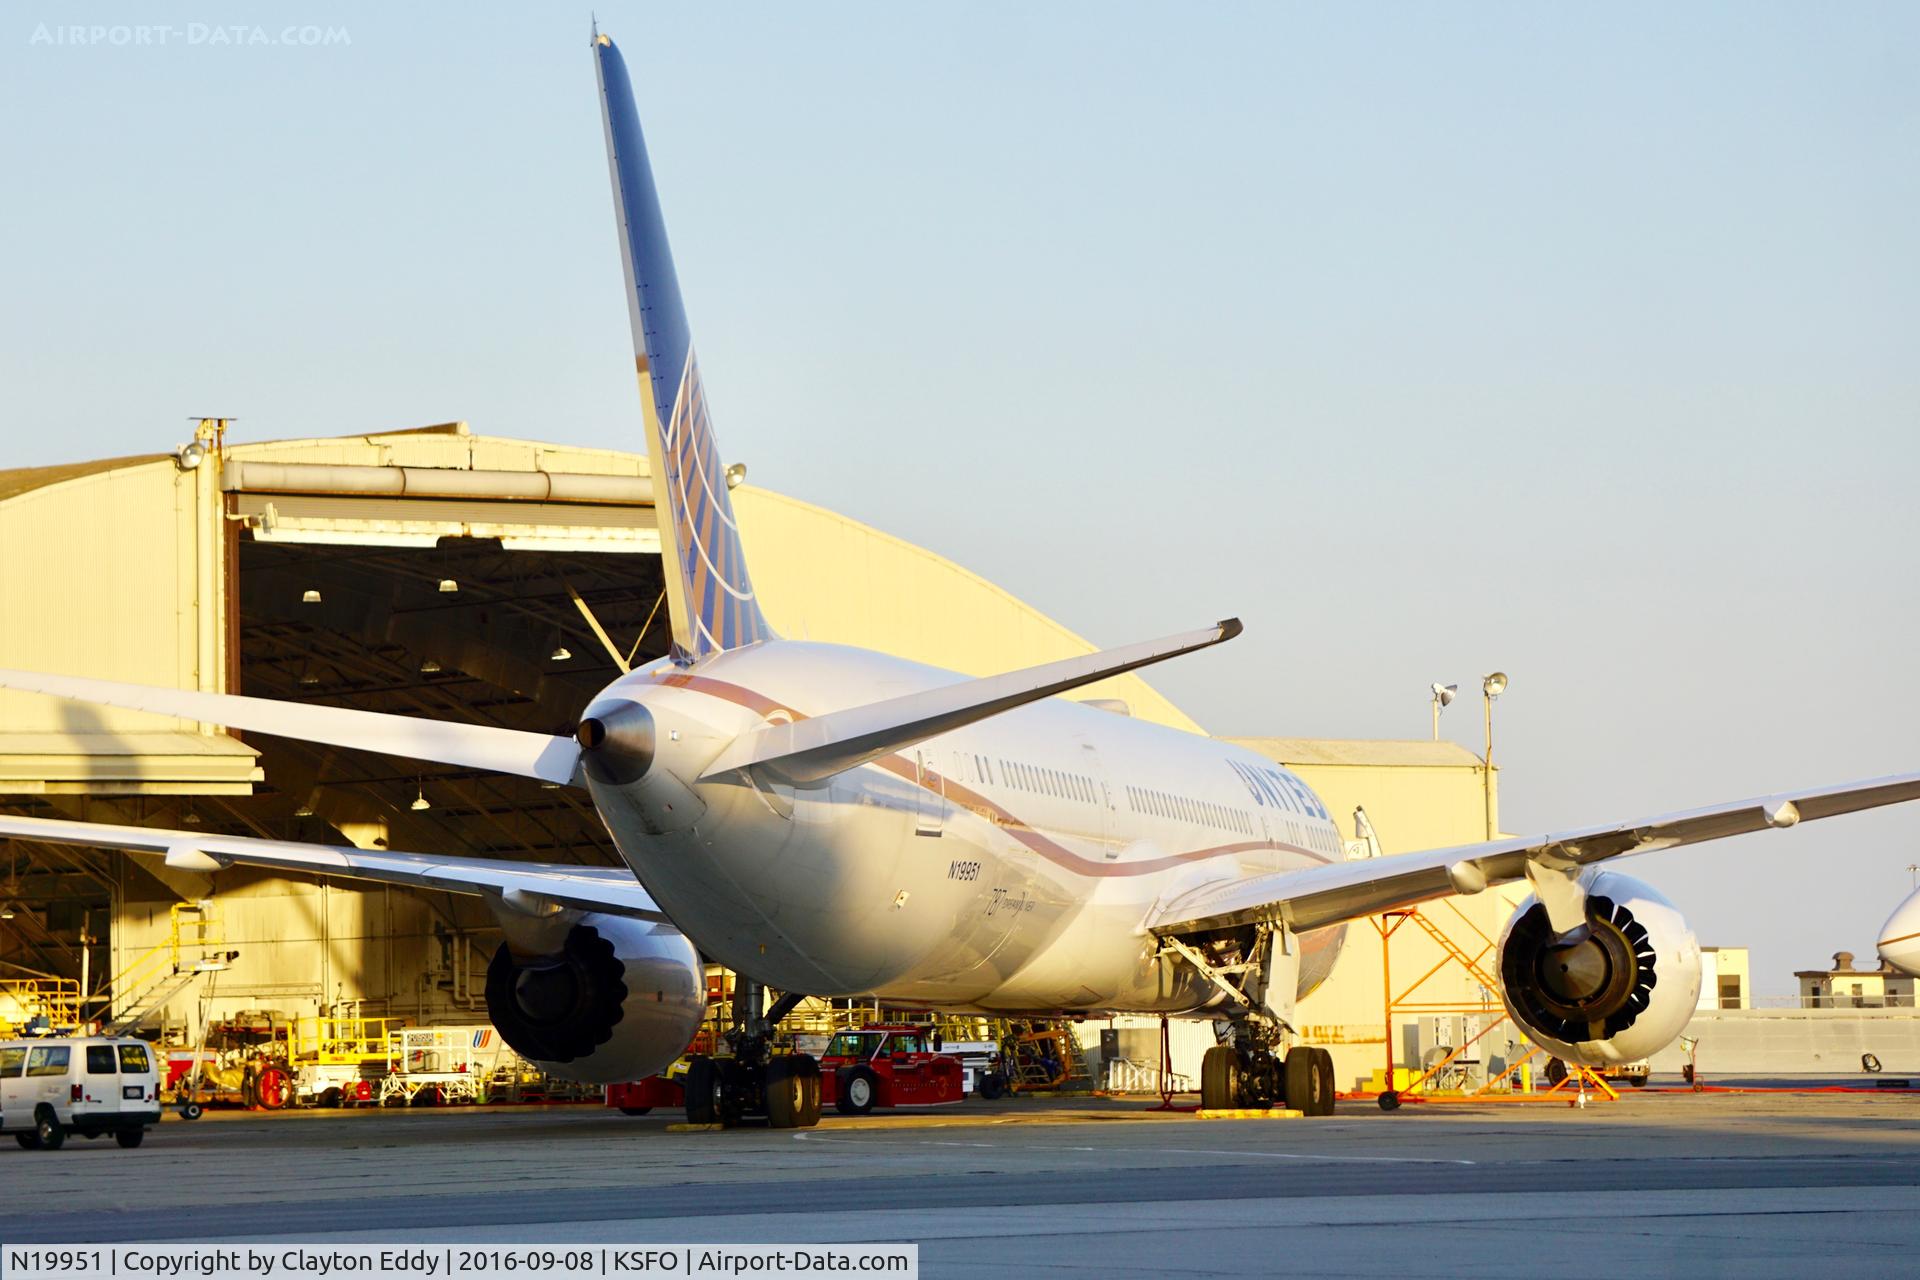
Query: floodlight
{"points": [[736, 474], [189, 455], [1444, 694], [1495, 684]]}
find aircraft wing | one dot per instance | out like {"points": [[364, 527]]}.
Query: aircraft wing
{"points": [[476, 746], [528, 885], [1317, 896]]}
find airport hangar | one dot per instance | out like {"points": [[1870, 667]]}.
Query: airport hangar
{"points": [[443, 573]]}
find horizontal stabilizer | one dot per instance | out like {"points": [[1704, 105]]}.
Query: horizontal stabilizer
{"points": [[472, 746], [816, 748], [609, 889]]}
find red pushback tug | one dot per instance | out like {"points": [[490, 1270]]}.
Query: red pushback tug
{"points": [[888, 1065]]}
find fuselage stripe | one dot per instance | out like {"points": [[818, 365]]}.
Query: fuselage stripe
{"points": [[984, 806]]}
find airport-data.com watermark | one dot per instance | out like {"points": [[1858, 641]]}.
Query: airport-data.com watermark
{"points": [[231, 35]]}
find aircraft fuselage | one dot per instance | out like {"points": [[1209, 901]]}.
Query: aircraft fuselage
{"points": [[1005, 866]]}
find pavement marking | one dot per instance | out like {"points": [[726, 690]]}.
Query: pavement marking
{"points": [[1309, 1155]]}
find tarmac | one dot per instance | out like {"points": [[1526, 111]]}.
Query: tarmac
{"points": [[1749, 1184]]}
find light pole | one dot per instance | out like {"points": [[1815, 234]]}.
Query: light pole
{"points": [[1443, 696], [1491, 687]]}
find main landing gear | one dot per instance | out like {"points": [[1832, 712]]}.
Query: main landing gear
{"points": [[1246, 1074], [755, 1082]]}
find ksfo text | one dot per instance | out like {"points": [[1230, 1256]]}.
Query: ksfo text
{"points": [[763, 1260]]}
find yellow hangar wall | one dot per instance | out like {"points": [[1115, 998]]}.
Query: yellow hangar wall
{"points": [[823, 576]]}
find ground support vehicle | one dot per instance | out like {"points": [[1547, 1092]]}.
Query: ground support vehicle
{"points": [[445, 1064], [888, 1066], [88, 1087], [339, 1061], [637, 1097]]}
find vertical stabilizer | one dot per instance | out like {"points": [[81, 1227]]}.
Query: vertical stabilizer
{"points": [[709, 595]]}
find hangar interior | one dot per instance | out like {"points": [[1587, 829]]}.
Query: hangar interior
{"points": [[438, 572]]}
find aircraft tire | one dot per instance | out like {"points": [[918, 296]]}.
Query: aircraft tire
{"points": [[857, 1087], [1323, 1069], [786, 1095], [700, 1086], [1220, 1084], [808, 1068], [1305, 1087]]}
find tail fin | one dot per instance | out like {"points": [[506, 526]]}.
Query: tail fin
{"points": [[709, 596]]}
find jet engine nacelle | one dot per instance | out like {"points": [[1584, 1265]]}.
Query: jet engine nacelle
{"points": [[620, 1000], [1620, 993]]}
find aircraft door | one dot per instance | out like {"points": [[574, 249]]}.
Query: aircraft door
{"points": [[1105, 823], [930, 804]]}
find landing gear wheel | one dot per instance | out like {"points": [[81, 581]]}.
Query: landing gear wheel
{"points": [[1389, 1101], [808, 1068], [46, 1127], [130, 1138], [857, 1088], [730, 1104], [1309, 1087], [786, 1094], [702, 1087], [31, 1141], [191, 1111], [1220, 1084], [1323, 1075]]}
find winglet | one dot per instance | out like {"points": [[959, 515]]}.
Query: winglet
{"points": [[821, 746]]}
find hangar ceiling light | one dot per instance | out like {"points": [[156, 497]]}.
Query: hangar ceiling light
{"points": [[310, 596], [448, 586], [561, 653]]}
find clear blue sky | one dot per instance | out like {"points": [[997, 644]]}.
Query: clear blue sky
{"points": [[1427, 339]]}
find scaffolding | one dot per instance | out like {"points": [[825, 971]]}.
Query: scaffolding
{"points": [[1447, 1078], [50, 1003]]}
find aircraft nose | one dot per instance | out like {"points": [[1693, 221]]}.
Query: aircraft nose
{"points": [[1900, 936]]}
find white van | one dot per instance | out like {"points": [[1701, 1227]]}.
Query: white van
{"points": [[91, 1086]]}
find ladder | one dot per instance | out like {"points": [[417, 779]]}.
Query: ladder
{"points": [[192, 949]]}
